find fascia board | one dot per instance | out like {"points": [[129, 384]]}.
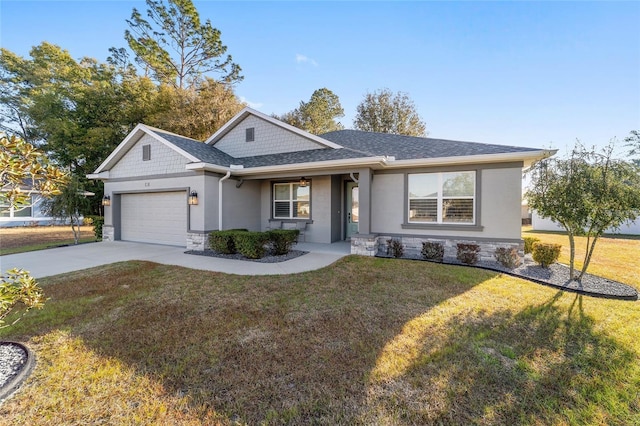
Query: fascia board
{"points": [[297, 167], [99, 176], [526, 157], [249, 111]]}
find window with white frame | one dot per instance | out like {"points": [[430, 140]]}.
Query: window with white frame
{"points": [[291, 201], [7, 211], [442, 198]]}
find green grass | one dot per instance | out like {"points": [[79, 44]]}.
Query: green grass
{"points": [[42, 246], [364, 341]]}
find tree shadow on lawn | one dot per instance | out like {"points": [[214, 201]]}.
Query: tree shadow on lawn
{"points": [[308, 348], [545, 364]]}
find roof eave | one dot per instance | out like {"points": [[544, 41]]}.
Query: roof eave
{"points": [[527, 157]]}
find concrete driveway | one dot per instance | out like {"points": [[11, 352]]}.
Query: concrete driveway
{"points": [[60, 260]]}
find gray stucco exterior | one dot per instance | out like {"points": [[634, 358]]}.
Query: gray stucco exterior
{"points": [[249, 169]]}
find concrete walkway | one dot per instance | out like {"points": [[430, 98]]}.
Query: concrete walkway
{"points": [[60, 260]]}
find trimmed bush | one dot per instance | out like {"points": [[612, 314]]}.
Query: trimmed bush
{"points": [[224, 241], [281, 240], [432, 251], [528, 244], [468, 253], [508, 257], [97, 222], [395, 248], [545, 254], [251, 244]]}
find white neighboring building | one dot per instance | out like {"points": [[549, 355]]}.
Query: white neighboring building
{"points": [[541, 224]]}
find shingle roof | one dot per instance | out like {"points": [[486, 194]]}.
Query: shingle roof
{"points": [[410, 147], [355, 143]]}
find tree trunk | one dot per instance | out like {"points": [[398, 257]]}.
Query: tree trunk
{"points": [[587, 257], [572, 255]]}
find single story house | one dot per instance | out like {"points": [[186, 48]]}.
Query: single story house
{"points": [[259, 173], [545, 224]]}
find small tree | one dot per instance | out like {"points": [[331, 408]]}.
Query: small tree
{"points": [[17, 288], [586, 193], [69, 204], [386, 112], [26, 174], [317, 116]]}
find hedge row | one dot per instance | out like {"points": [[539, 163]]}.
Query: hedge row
{"points": [[253, 245]]}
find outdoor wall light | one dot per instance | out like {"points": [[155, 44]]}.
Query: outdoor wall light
{"points": [[106, 200], [193, 198], [303, 182]]}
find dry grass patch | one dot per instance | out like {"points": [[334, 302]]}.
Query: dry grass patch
{"points": [[365, 341], [616, 258], [23, 238]]}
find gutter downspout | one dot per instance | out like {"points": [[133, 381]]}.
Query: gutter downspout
{"points": [[353, 178], [225, 177]]}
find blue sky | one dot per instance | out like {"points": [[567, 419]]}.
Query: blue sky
{"points": [[534, 74]]}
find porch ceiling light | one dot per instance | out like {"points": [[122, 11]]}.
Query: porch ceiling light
{"points": [[106, 200], [193, 198], [303, 182]]}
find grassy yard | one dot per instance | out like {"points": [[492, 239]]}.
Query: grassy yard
{"points": [[365, 341], [22, 239], [615, 257]]}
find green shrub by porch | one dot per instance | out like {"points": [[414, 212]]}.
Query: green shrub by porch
{"points": [[282, 239], [224, 241], [528, 244], [97, 222], [251, 244], [432, 251]]}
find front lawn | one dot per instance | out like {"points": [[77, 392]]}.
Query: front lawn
{"points": [[364, 341], [29, 238]]}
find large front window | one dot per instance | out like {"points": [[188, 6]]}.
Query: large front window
{"points": [[291, 201], [445, 198]]}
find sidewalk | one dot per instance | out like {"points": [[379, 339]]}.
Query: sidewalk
{"points": [[60, 260]]}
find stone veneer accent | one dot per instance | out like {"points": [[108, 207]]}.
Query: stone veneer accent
{"points": [[370, 245], [365, 245], [197, 241], [108, 233]]}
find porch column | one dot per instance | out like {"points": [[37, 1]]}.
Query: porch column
{"points": [[364, 200]]}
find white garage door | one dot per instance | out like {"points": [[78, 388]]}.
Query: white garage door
{"points": [[155, 217]]}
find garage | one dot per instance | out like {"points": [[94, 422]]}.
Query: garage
{"points": [[154, 217]]}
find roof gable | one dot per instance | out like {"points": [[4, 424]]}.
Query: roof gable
{"points": [[272, 136], [134, 136]]}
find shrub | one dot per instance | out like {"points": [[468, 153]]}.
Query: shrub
{"points": [[251, 244], [468, 253], [432, 251], [545, 254], [17, 288], [395, 248], [508, 257], [97, 222], [223, 241], [281, 240], [528, 244], [87, 221]]}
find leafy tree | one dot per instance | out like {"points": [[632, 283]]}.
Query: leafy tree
{"points": [[68, 205], [175, 47], [586, 193], [385, 112], [26, 173], [17, 288], [317, 116], [197, 111], [633, 142]]}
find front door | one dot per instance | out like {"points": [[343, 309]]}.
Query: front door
{"points": [[352, 209]]}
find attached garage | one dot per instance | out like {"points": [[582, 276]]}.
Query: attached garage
{"points": [[154, 217]]}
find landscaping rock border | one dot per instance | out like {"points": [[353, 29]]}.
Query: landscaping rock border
{"points": [[16, 364]]}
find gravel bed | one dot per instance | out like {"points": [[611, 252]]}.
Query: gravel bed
{"points": [[269, 258], [556, 275], [12, 360]]}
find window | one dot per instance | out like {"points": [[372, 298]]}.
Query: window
{"points": [[291, 201], [250, 134], [442, 198], [146, 152], [7, 211]]}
